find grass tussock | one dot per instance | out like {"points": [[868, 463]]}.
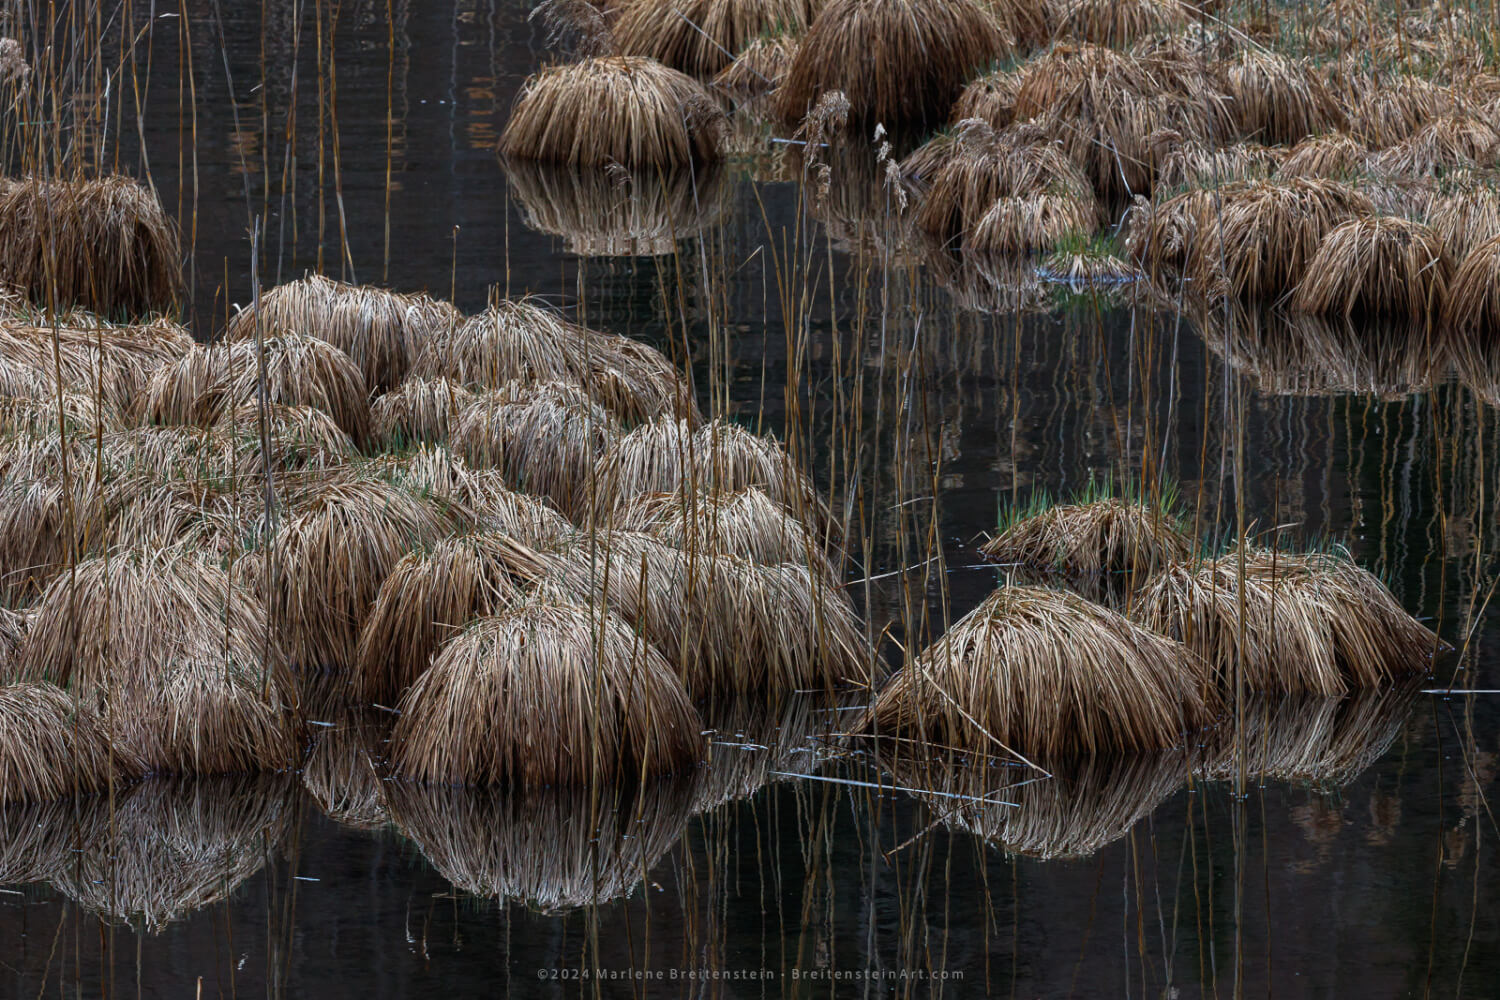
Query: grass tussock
{"points": [[914, 60], [380, 330], [702, 37], [1082, 808], [52, 747], [745, 523], [419, 411], [990, 98], [1383, 114], [158, 642], [724, 623], [210, 381], [1036, 224], [1313, 624], [665, 456], [1442, 145], [523, 341], [1473, 303], [1336, 156], [760, 66], [429, 597], [1376, 266], [1277, 99], [334, 553], [110, 362], [612, 212], [43, 528], [1097, 547], [1264, 234], [543, 694], [1465, 219], [1046, 673], [544, 439], [1195, 164], [552, 849], [614, 109], [1118, 23], [105, 245]]}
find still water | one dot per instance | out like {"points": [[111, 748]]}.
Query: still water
{"points": [[359, 138]]}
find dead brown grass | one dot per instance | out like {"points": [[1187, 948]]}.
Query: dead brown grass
{"points": [[52, 747], [1473, 303], [1466, 218], [702, 37], [544, 438], [429, 597], [545, 694], [523, 341], [914, 60], [333, 555], [1046, 673], [614, 109], [1277, 99], [1118, 23], [1097, 548], [760, 66], [724, 623], [157, 642], [42, 528], [340, 772], [1376, 266], [1440, 146], [1383, 113], [419, 411], [1338, 156], [1195, 164], [380, 330], [106, 244], [1315, 624]]}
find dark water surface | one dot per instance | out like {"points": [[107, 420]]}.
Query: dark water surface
{"points": [[1360, 866]]}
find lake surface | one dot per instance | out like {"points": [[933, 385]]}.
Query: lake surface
{"points": [[1359, 866]]}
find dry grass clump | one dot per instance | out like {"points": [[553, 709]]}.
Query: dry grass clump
{"points": [[1442, 145], [43, 528], [52, 747], [175, 846], [38, 417], [745, 523], [1265, 233], [380, 330], [914, 60], [1376, 266], [418, 411], [724, 623], [210, 381], [1473, 302], [333, 555], [545, 694], [1016, 170], [990, 98], [720, 457], [301, 437], [158, 643], [1337, 156], [427, 599], [1465, 219], [1385, 113], [612, 212], [1277, 99], [1083, 807], [13, 629], [1314, 623], [702, 37], [545, 439], [1088, 268], [1103, 105], [614, 109], [1170, 233], [523, 341], [94, 358], [106, 243], [1045, 673], [1118, 23], [1097, 547], [1019, 226], [1196, 164], [760, 66], [553, 849]]}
